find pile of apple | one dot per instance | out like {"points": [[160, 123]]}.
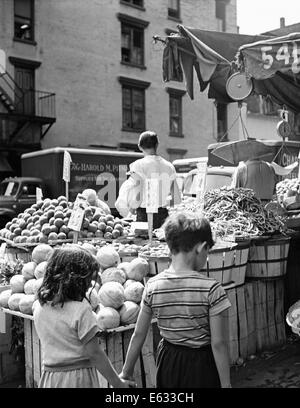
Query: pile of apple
{"points": [[47, 222]]}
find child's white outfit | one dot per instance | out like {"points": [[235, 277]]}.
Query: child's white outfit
{"points": [[64, 332]]}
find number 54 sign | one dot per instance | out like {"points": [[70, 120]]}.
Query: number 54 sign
{"points": [[286, 56], [263, 58]]}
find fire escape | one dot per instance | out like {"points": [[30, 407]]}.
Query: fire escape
{"points": [[25, 116]]}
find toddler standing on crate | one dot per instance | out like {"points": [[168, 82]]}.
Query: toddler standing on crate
{"points": [[189, 308], [67, 326]]}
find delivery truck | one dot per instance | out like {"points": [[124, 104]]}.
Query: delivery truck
{"points": [[42, 173]]}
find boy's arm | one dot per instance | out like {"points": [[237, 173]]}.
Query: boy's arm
{"points": [[219, 347], [136, 341], [103, 364]]}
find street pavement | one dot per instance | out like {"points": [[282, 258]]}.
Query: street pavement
{"points": [[278, 368]]}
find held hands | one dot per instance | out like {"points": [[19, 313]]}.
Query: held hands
{"points": [[128, 381]]}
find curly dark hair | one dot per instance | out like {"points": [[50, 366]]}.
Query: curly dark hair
{"points": [[184, 230], [68, 275]]}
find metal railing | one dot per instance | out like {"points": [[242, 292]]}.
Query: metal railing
{"points": [[28, 102]]}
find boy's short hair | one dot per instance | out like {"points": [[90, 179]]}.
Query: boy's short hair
{"points": [[148, 140], [184, 230]]}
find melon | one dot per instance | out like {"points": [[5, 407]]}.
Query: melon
{"points": [[107, 257], [4, 296], [40, 270], [138, 269], [17, 283], [41, 253], [124, 266], [111, 294], [90, 248], [108, 318], [37, 284], [14, 300], [29, 287], [26, 303], [129, 312], [134, 292], [128, 282], [92, 296], [28, 270], [113, 274]]}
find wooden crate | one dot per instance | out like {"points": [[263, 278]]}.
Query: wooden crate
{"points": [[219, 264], [10, 368], [14, 254], [157, 265], [115, 344], [238, 270], [268, 300], [237, 329], [268, 258], [250, 315], [127, 256]]}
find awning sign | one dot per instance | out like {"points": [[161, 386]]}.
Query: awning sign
{"points": [[263, 58]]}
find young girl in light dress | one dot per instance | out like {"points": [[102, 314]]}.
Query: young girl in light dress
{"points": [[66, 325]]}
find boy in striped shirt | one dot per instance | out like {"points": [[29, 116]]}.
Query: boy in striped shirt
{"points": [[189, 308]]}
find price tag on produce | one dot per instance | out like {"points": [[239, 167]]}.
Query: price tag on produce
{"points": [[39, 194], [152, 195], [201, 183], [67, 167], [76, 218]]}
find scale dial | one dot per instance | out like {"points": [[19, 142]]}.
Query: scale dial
{"points": [[284, 129]]}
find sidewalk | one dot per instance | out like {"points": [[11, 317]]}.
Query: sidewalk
{"points": [[271, 369]]}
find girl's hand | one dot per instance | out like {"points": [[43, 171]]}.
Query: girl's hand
{"points": [[127, 383], [129, 379]]}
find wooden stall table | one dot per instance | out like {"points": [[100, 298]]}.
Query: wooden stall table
{"points": [[115, 343]]}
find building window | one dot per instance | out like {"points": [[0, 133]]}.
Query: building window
{"points": [[221, 12], [24, 20], [175, 111], [135, 3], [222, 122], [132, 45], [133, 104], [174, 9], [132, 40]]}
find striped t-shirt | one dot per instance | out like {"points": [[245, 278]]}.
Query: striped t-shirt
{"points": [[182, 304]]}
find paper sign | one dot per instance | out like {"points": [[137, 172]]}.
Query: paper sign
{"points": [[39, 194], [77, 215], [152, 194], [201, 183], [67, 167], [2, 62]]}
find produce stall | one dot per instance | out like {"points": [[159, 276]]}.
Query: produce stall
{"points": [[239, 223]]}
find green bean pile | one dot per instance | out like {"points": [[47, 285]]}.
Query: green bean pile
{"points": [[236, 211]]}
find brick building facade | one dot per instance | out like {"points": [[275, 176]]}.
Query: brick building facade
{"points": [[99, 59]]}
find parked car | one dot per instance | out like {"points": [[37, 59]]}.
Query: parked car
{"points": [[216, 177], [17, 194]]}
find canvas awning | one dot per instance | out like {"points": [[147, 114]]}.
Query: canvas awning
{"points": [[213, 56]]}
